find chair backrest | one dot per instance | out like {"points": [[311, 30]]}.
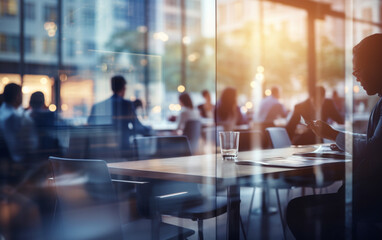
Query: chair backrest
{"points": [[193, 130], [162, 147], [250, 140], [87, 204], [278, 137]]}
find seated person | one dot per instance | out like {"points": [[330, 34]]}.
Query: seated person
{"points": [[119, 113], [16, 126], [318, 107], [206, 109], [270, 108], [44, 121], [187, 113], [323, 216], [228, 112]]}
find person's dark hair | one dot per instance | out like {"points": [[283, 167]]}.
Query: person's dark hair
{"points": [[226, 103], [205, 93], [369, 53], [186, 100], [37, 100], [320, 91], [275, 91], [137, 103], [11, 91], [117, 83]]}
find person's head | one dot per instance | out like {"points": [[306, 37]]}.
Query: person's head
{"points": [[206, 95], [12, 95], [185, 100], [227, 103], [138, 103], [37, 100], [319, 98], [275, 92], [367, 58], [118, 85]]}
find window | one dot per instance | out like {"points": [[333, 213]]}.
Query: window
{"points": [[29, 45], [120, 12], [8, 8], [71, 18], [50, 13], [88, 17], [172, 21], [70, 48], [49, 46], [9, 43], [89, 48], [29, 11], [172, 2]]}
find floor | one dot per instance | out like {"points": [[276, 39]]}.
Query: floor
{"points": [[257, 225]]}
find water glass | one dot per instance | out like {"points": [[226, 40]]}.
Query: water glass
{"points": [[229, 144]]}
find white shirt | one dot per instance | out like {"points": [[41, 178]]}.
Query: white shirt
{"points": [[187, 114], [18, 132]]}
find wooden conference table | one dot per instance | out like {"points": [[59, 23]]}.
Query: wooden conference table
{"points": [[211, 169]]}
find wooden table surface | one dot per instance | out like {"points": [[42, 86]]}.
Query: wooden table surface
{"points": [[206, 168]]}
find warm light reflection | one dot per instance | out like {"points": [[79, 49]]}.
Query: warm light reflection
{"points": [[52, 107], [267, 92], [356, 89], [186, 40], [51, 28], [244, 109], [156, 109], [161, 36], [249, 105], [177, 107], [181, 88], [133, 98], [142, 29], [171, 107], [5, 80], [260, 69], [64, 107], [43, 80], [252, 84], [193, 57], [26, 90], [63, 77]]}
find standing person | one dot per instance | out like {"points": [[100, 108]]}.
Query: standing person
{"points": [[310, 109], [16, 127], [304, 213], [187, 113], [206, 109], [119, 113], [270, 107], [228, 112]]}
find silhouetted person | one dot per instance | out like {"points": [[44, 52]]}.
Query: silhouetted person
{"points": [[118, 113], [206, 109], [187, 112], [304, 213], [310, 109], [228, 112], [17, 127], [270, 108], [44, 121]]}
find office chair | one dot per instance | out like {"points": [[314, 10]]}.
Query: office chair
{"points": [[192, 205], [88, 208], [278, 137], [193, 130]]}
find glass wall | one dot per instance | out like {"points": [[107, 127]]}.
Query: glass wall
{"points": [[111, 115]]}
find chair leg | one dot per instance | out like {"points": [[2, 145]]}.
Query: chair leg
{"points": [[280, 213], [242, 228], [250, 208], [200, 229]]}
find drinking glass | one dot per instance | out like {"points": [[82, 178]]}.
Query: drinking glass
{"points": [[229, 144]]}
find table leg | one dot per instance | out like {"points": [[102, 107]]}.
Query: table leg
{"points": [[233, 212]]}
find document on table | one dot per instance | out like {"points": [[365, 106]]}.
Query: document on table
{"points": [[290, 162], [324, 151]]}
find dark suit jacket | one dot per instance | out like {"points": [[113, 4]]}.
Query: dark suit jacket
{"points": [[307, 111], [119, 113]]}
